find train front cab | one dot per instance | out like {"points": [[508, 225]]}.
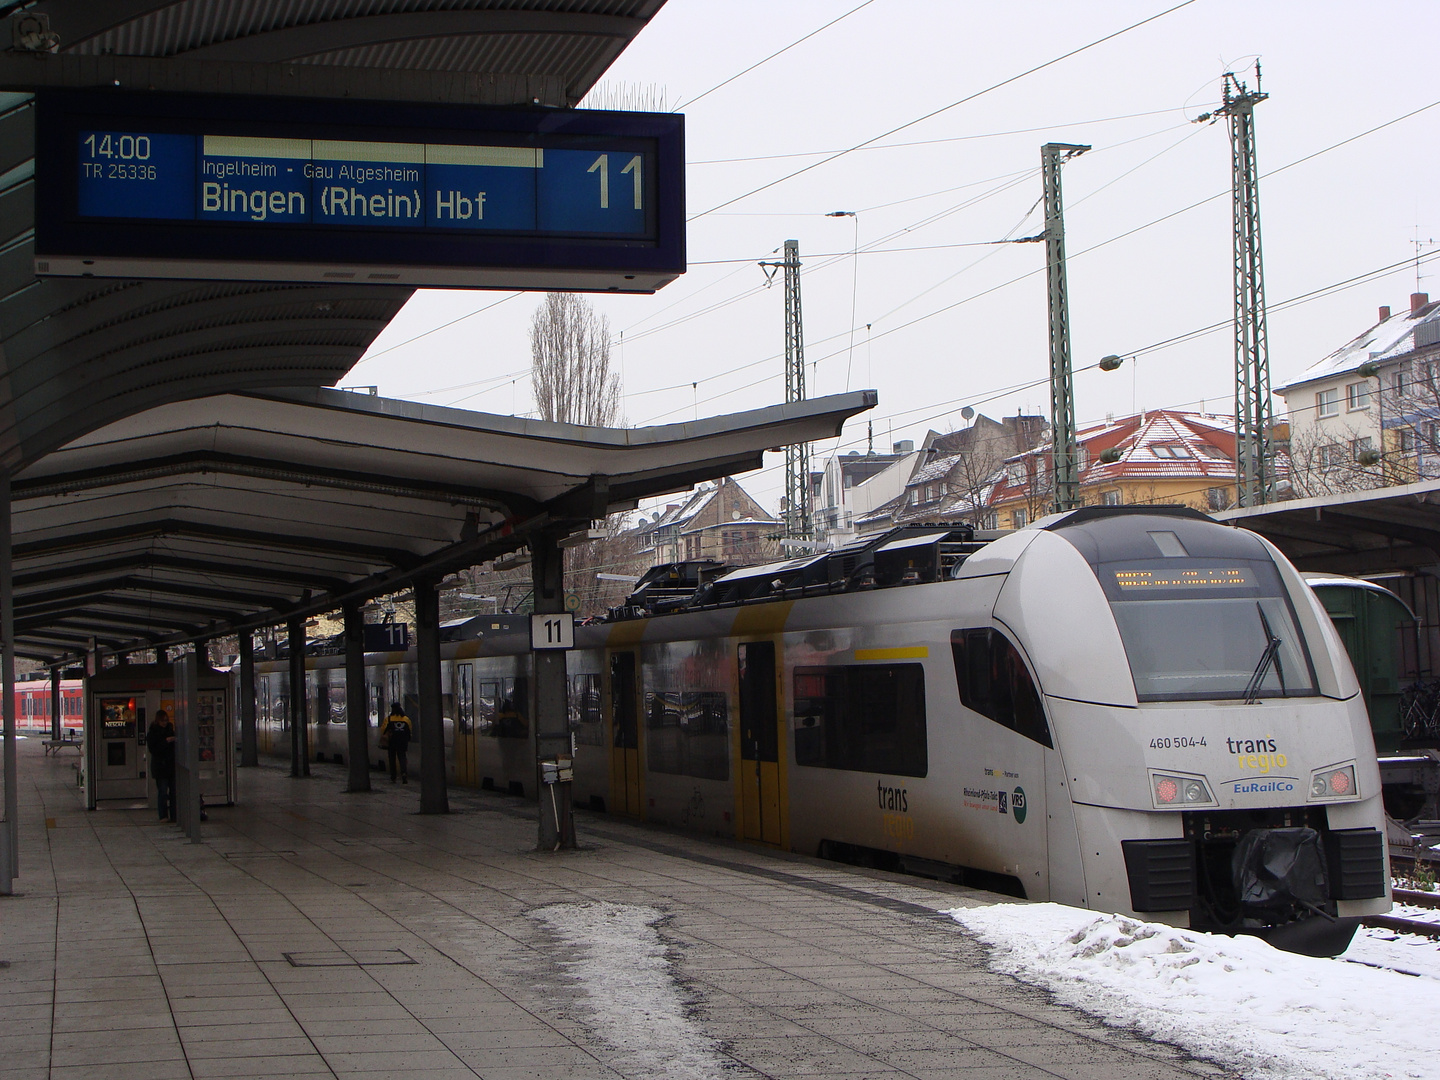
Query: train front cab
{"points": [[1217, 781]]}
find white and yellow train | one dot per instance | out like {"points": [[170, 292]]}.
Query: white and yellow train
{"points": [[1133, 710]]}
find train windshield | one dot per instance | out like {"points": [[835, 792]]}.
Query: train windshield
{"points": [[1197, 628]]}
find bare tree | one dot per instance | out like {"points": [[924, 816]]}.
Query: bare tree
{"points": [[570, 363], [1334, 461]]}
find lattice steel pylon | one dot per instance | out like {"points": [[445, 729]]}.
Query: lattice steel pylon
{"points": [[1062, 384], [1254, 414], [797, 456]]}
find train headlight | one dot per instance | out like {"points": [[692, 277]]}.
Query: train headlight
{"points": [[1333, 783], [1175, 789]]}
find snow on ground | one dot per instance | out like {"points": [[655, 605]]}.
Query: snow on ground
{"points": [[634, 1002], [1409, 953], [1271, 1015]]}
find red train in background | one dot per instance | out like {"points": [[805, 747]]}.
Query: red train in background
{"points": [[32, 704]]}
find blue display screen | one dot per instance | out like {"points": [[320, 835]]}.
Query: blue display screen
{"points": [[135, 185], [266, 181]]}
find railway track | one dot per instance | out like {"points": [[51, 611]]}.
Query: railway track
{"points": [[1402, 925]]}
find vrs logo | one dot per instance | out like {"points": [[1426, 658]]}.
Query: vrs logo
{"points": [[1017, 804]]}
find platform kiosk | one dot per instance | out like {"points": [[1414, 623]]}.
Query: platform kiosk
{"points": [[121, 701]]}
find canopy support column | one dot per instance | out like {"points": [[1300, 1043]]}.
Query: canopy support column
{"points": [[357, 710], [57, 721], [299, 735], [249, 744], [433, 796], [552, 713], [10, 834]]}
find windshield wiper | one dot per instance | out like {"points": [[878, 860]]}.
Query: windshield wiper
{"points": [[1271, 655]]}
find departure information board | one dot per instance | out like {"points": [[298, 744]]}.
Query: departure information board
{"points": [[198, 187]]}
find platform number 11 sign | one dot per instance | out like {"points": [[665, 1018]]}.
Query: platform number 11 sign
{"points": [[552, 631]]}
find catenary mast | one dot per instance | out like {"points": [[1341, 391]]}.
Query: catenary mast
{"points": [[797, 456], [1062, 385], [1254, 415]]}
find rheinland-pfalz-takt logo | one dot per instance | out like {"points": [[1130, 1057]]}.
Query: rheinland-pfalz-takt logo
{"points": [[996, 801]]}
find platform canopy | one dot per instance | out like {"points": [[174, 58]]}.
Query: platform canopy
{"points": [[78, 353], [1355, 532], [199, 517]]}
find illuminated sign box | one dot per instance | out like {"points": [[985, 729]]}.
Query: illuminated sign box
{"points": [[276, 189]]}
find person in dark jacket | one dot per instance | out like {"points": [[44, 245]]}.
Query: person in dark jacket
{"points": [[160, 741], [395, 733]]}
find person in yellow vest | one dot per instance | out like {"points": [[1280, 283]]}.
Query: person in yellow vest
{"points": [[395, 736]]}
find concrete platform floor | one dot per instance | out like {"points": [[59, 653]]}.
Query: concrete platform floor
{"points": [[316, 933]]}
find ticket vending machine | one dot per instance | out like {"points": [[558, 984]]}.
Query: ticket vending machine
{"points": [[123, 700]]}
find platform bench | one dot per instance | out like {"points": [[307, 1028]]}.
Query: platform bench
{"points": [[67, 738]]}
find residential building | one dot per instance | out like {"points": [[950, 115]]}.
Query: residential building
{"points": [[718, 521], [1162, 457], [843, 488], [956, 474], [1368, 414]]}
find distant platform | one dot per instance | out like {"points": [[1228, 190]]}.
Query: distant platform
{"points": [[316, 933]]}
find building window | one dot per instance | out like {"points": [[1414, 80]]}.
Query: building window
{"points": [[1017, 472], [1331, 455], [1017, 519], [1327, 403], [1171, 450], [1357, 396], [1217, 498], [1110, 498], [1399, 380], [1407, 440], [1360, 446]]}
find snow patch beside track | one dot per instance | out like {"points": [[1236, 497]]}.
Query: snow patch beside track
{"points": [[1235, 1001]]}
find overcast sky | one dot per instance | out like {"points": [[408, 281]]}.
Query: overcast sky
{"points": [[942, 316]]}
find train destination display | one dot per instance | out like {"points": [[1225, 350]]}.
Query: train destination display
{"points": [[149, 185]]}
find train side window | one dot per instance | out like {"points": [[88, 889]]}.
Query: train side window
{"points": [[863, 718], [464, 701], [511, 717], [487, 701], [688, 733], [995, 682], [586, 719]]}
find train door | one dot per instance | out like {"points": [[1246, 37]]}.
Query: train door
{"points": [[625, 735], [467, 768], [759, 742]]}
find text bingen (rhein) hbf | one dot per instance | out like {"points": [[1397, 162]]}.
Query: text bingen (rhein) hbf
{"points": [[252, 179]]}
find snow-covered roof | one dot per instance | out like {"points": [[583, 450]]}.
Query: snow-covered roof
{"points": [[936, 469], [1165, 444], [1386, 340]]}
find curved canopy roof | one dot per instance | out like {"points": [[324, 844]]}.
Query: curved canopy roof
{"points": [[76, 354], [1376, 531], [201, 516]]}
